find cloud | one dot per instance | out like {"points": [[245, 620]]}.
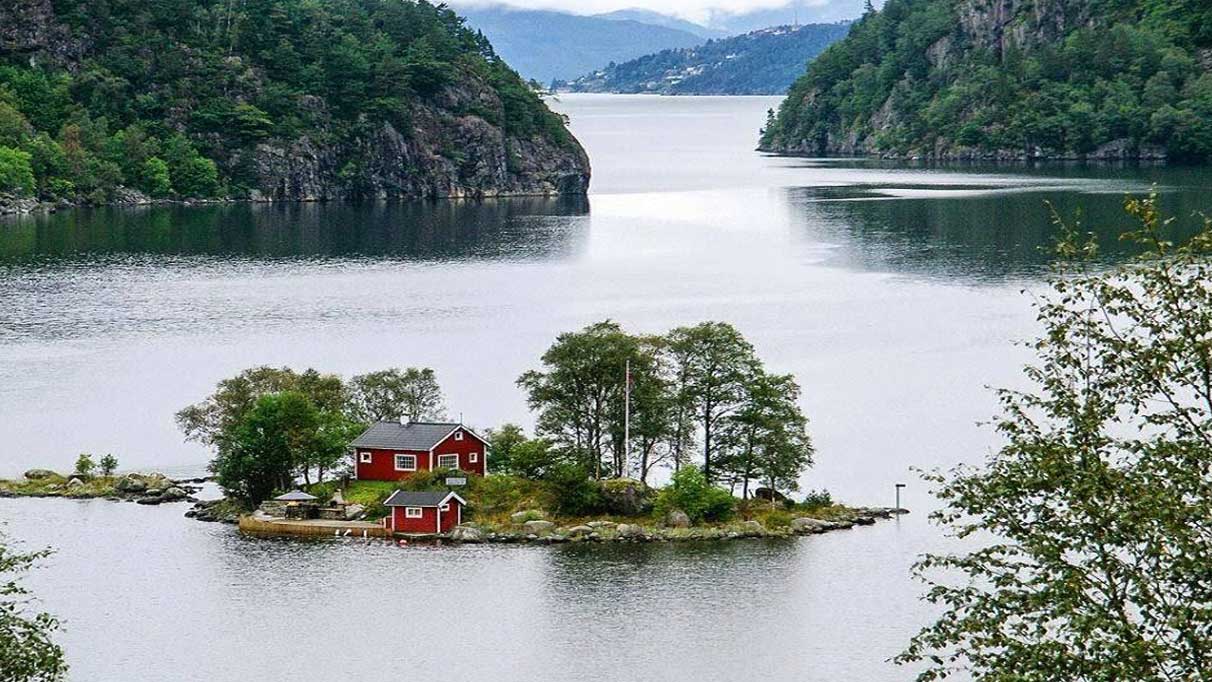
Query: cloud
{"points": [[694, 10]]}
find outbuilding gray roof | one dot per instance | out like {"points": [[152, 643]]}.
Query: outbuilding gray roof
{"points": [[396, 436], [424, 498], [296, 496]]}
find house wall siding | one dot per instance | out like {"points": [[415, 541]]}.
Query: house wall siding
{"points": [[382, 465], [463, 448]]}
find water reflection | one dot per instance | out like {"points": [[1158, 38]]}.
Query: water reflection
{"points": [[520, 228], [978, 232]]}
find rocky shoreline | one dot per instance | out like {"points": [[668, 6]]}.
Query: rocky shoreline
{"points": [[1114, 152]]}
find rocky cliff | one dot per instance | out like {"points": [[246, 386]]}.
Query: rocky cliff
{"points": [[1009, 79], [284, 99]]}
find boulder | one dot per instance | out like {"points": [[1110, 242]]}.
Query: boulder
{"points": [[130, 484], [579, 531], [519, 518], [626, 496], [677, 519], [599, 525], [752, 528], [150, 499], [5, 492], [75, 483], [354, 511], [538, 527], [173, 494], [769, 495], [39, 474], [864, 520], [805, 525], [629, 530], [469, 534]]}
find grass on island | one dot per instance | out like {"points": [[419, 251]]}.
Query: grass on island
{"points": [[491, 500], [56, 485]]}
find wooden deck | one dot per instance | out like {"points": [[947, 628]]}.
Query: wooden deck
{"points": [[267, 525]]}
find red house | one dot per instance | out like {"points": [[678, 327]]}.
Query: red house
{"points": [[424, 512], [390, 451]]}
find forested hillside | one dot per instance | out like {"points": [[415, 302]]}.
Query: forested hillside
{"points": [[282, 99], [763, 62], [1010, 79]]}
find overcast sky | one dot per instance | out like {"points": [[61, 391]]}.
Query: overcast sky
{"points": [[695, 10]]}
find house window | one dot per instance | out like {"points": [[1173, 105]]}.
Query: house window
{"points": [[473, 457], [406, 462], [445, 507], [364, 457], [413, 512], [448, 461], [459, 435]]}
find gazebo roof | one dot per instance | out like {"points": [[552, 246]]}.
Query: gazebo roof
{"points": [[296, 496]]}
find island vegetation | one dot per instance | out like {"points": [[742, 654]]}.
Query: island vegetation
{"points": [[763, 62], [200, 98], [957, 79]]}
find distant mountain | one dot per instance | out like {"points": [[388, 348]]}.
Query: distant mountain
{"points": [[645, 16], [792, 13], [545, 45], [764, 62]]}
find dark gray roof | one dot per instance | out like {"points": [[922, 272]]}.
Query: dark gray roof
{"points": [[411, 498], [397, 436], [296, 496]]}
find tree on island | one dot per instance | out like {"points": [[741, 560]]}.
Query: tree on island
{"points": [[85, 466], [27, 652], [1092, 519], [412, 394], [109, 464], [766, 439]]}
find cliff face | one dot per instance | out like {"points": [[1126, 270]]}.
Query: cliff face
{"points": [[1006, 79], [443, 116]]}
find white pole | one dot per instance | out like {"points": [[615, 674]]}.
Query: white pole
{"points": [[627, 419]]}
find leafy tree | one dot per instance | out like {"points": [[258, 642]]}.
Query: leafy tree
{"points": [[767, 438], [692, 493], [85, 466], [580, 392], [501, 444], [16, 175], [27, 653], [1092, 517], [396, 393], [109, 464], [213, 420], [713, 364], [267, 446], [156, 179], [575, 494]]}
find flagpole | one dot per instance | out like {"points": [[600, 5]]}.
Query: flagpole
{"points": [[627, 419]]}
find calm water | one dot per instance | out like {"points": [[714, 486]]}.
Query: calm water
{"points": [[894, 294]]}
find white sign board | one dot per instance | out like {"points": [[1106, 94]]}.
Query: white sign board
{"points": [[456, 481]]}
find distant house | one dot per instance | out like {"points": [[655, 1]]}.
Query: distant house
{"points": [[390, 450], [424, 512]]}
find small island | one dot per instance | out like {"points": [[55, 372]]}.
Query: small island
{"points": [[313, 454]]}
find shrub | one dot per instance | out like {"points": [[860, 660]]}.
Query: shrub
{"points": [[85, 465], [156, 180], [16, 175], [575, 494], [818, 499], [109, 464], [691, 493]]}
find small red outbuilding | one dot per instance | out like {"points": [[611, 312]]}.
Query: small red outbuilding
{"points": [[424, 511]]}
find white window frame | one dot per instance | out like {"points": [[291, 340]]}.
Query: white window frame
{"points": [[365, 457], [473, 457], [444, 507], [459, 435], [396, 461], [443, 466], [414, 513]]}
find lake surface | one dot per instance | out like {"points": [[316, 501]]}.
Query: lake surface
{"points": [[893, 293]]}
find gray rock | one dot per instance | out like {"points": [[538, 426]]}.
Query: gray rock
{"points": [[598, 525], [538, 527], [518, 518], [354, 511], [753, 528], [629, 531], [579, 531], [469, 534], [130, 484], [173, 494], [39, 474], [865, 520], [75, 483], [5, 492], [150, 499], [805, 525], [677, 519], [626, 496]]}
